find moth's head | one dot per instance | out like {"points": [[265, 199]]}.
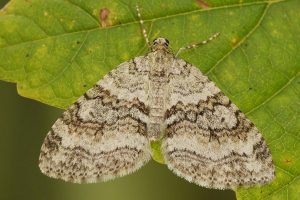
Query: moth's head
{"points": [[160, 44]]}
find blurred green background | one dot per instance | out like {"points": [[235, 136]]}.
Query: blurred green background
{"points": [[24, 124]]}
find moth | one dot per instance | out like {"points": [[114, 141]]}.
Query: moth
{"points": [[204, 137]]}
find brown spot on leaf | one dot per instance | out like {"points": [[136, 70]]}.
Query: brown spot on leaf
{"points": [[202, 4], [103, 17], [287, 161], [235, 41]]}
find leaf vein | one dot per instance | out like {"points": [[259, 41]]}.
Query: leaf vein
{"points": [[282, 187], [273, 95], [84, 10], [241, 41], [67, 66]]}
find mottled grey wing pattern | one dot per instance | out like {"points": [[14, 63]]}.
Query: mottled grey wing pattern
{"points": [[103, 134], [208, 140]]}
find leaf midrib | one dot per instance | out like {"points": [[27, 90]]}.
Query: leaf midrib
{"points": [[136, 21]]}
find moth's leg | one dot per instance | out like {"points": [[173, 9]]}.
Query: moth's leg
{"points": [[144, 31], [193, 46]]}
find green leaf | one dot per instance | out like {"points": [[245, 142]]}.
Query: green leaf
{"points": [[56, 49]]}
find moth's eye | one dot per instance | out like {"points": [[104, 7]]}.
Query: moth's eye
{"points": [[154, 41], [167, 41]]}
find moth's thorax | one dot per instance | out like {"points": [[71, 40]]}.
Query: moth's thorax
{"points": [[160, 63]]}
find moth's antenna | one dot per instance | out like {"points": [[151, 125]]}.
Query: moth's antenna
{"points": [[142, 25], [192, 46]]}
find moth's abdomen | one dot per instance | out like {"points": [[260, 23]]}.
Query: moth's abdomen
{"points": [[157, 100], [158, 94]]}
